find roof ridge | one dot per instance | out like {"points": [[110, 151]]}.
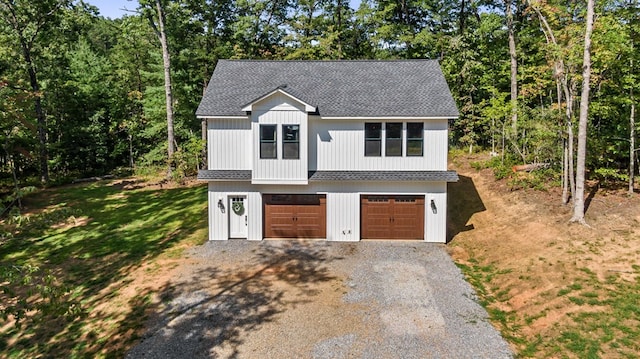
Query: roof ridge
{"points": [[350, 60]]}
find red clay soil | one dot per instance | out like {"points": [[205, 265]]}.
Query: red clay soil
{"points": [[529, 251]]}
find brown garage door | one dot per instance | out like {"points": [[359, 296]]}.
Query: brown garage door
{"points": [[392, 217], [295, 216]]}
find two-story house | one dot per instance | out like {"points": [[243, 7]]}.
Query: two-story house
{"points": [[339, 150]]}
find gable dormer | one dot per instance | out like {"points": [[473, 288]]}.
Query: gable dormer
{"points": [[280, 127]]}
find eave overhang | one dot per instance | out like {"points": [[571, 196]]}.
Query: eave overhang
{"points": [[338, 176]]}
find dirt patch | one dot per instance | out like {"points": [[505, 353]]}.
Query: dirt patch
{"points": [[72, 222], [534, 258], [133, 183]]}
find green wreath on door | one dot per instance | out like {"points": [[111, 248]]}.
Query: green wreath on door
{"points": [[238, 207]]}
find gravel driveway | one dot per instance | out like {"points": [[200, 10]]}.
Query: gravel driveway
{"points": [[317, 299]]}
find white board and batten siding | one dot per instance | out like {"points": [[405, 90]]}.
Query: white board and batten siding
{"points": [[339, 145], [279, 110], [219, 217], [343, 216], [229, 143], [343, 206], [233, 144]]}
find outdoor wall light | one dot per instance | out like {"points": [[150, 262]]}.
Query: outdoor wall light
{"points": [[221, 205], [434, 209]]}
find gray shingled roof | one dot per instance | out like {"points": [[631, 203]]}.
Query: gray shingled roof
{"points": [[367, 88], [447, 176], [318, 176], [225, 175]]}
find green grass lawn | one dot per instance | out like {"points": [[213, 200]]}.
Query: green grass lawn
{"points": [[91, 237]]}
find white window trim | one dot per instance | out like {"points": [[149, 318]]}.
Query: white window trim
{"points": [[383, 139]]}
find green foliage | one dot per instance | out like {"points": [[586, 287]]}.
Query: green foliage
{"points": [[38, 222], [501, 168], [19, 193], [540, 180], [150, 173], [20, 284], [500, 171], [101, 80], [610, 175], [186, 161]]}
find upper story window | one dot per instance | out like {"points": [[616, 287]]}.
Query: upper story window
{"points": [[393, 139], [415, 134], [291, 141], [373, 139], [268, 145]]}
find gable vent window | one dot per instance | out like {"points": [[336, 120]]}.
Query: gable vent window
{"points": [[373, 139], [268, 141], [415, 133], [393, 139], [291, 142]]}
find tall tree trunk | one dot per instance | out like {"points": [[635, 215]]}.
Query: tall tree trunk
{"points": [[632, 144], [12, 159], [561, 87], [43, 153], [26, 44], [131, 163], [570, 90], [307, 29], [461, 18], [565, 155], [339, 28], [578, 204], [15, 180], [160, 31], [203, 129], [514, 69], [565, 172]]}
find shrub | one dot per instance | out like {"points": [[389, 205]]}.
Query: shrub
{"points": [[20, 283]]}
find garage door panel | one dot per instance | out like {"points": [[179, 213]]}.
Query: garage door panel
{"points": [[376, 210], [408, 217], [281, 232], [311, 231], [281, 226], [310, 221], [377, 227], [392, 217], [295, 216]]}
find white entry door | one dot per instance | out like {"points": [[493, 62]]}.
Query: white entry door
{"points": [[238, 219]]}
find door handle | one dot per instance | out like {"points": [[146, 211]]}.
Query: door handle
{"points": [[245, 220]]}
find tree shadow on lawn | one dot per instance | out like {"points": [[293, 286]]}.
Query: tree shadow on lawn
{"points": [[463, 201], [124, 230], [213, 311]]}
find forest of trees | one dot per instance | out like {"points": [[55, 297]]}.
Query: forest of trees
{"points": [[81, 95]]}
